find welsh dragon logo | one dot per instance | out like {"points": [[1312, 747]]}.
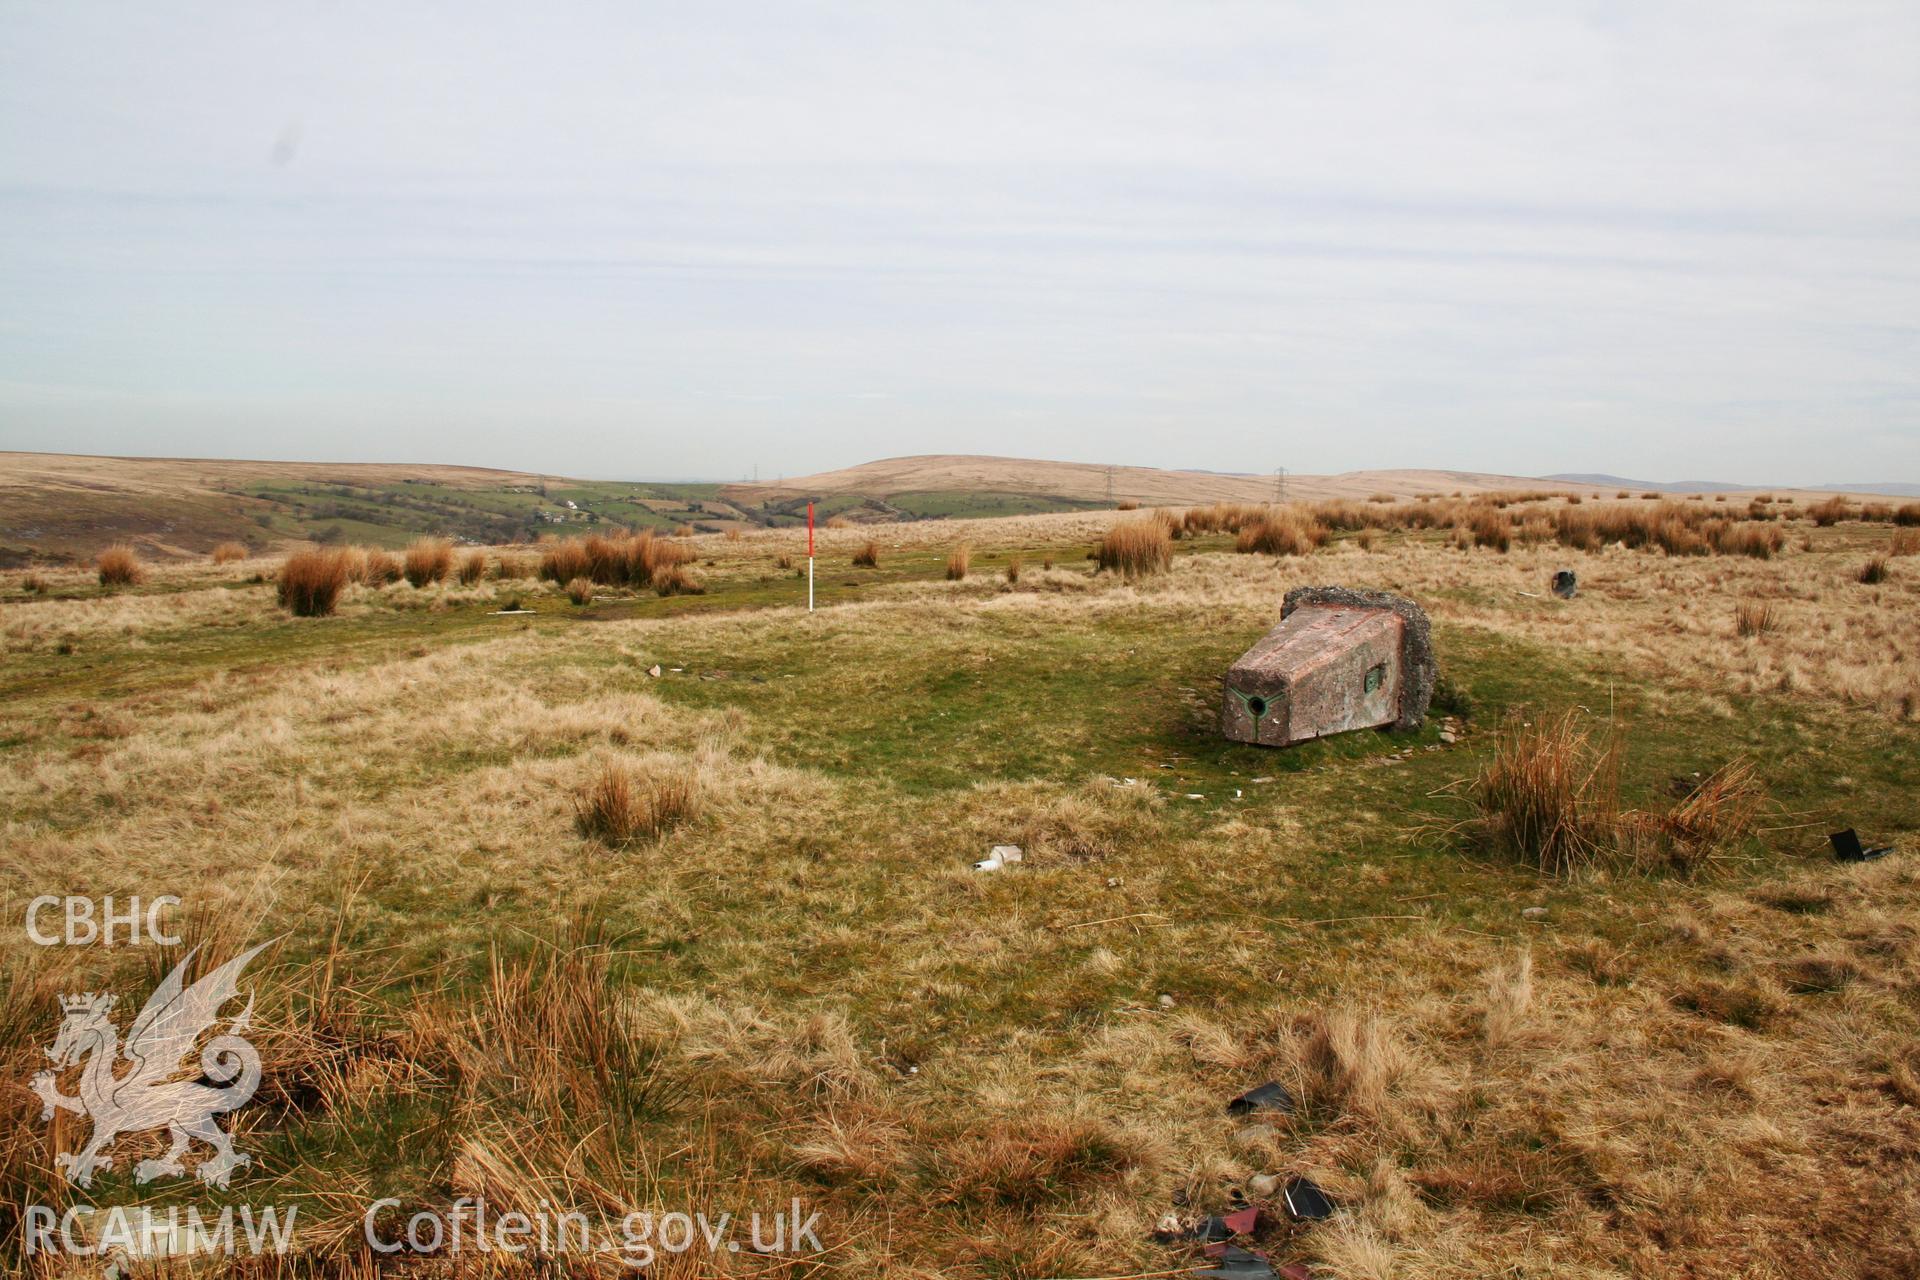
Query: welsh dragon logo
{"points": [[148, 1096]]}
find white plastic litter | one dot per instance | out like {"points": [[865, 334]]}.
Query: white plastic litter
{"points": [[999, 856]]}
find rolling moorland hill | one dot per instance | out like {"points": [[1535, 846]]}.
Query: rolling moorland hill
{"points": [[62, 508]]}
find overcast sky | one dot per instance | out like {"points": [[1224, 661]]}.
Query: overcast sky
{"points": [[1663, 240]]}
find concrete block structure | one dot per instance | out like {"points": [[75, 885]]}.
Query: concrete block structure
{"points": [[1339, 660]]}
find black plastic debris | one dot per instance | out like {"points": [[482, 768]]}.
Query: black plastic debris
{"points": [[1306, 1201], [1271, 1096], [1234, 1263], [1563, 584], [1847, 847]]}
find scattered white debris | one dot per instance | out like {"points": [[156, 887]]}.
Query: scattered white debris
{"points": [[1264, 1184], [1263, 779], [1449, 737], [1166, 1001], [999, 856], [1535, 913], [1195, 795], [1236, 793], [654, 671]]}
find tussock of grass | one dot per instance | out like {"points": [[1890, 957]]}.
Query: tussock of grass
{"points": [[1491, 529], [674, 580], [428, 560], [959, 560], [868, 556], [1753, 617], [1550, 797], [473, 567], [310, 582], [623, 803], [1709, 821], [613, 560], [1281, 531], [1026, 1160], [1830, 512], [119, 566], [1135, 549], [1873, 572], [580, 591], [228, 552], [380, 568], [562, 562]]}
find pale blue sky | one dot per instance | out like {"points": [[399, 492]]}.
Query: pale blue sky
{"points": [[1657, 239]]}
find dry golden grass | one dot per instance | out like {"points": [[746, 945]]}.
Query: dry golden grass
{"points": [[1753, 618], [580, 591], [868, 556], [473, 567], [970, 1075], [33, 583], [1905, 542], [1013, 570], [675, 580], [1830, 512], [119, 566], [959, 560], [565, 561], [228, 552], [382, 569], [1281, 531], [623, 802], [310, 582], [1136, 548], [1550, 797], [1873, 572], [427, 561]]}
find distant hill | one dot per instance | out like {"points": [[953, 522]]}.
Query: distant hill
{"points": [[895, 479], [1649, 486], [1884, 489], [67, 507]]}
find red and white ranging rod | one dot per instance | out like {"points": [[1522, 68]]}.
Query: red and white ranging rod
{"points": [[809, 557]]}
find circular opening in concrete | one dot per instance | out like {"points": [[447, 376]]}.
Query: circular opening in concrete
{"points": [[1257, 707]]}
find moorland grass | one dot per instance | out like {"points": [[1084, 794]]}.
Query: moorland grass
{"points": [[119, 566], [310, 582], [985, 1059]]}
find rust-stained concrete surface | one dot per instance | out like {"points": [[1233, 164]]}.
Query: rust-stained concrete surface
{"points": [[1339, 660]]}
